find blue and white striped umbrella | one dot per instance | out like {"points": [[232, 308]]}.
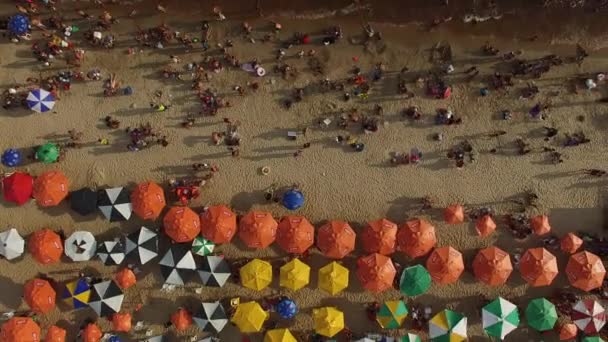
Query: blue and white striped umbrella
{"points": [[40, 100]]}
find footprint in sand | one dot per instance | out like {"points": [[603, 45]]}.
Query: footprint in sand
{"points": [[96, 175]]}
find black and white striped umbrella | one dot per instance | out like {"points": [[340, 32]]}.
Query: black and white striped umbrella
{"points": [[214, 271], [106, 298], [177, 264], [111, 252], [211, 317], [142, 245], [115, 204]]}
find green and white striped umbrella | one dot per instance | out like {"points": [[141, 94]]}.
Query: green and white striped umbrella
{"points": [[201, 246], [409, 337], [499, 318]]}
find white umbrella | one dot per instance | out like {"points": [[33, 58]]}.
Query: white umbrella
{"points": [[40, 100], [11, 244], [80, 246]]}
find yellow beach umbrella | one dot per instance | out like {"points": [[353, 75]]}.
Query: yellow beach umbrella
{"points": [[279, 335], [328, 321], [256, 274], [249, 317], [294, 275], [333, 278]]}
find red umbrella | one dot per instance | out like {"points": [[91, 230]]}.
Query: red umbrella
{"points": [[18, 188], [589, 316]]}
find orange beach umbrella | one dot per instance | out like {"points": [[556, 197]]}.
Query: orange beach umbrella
{"points": [[540, 224], [91, 333], [20, 329], [258, 229], [379, 236], [295, 234], [492, 266], [416, 238], [485, 225], [376, 272], [181, 224], [445, 265], [567, 331], [454, 214], [181, 319], [46, 246], [585, 271], [125, 278], [570, 243], [50, 188], [55, 334], [39, 295], [218, 224], [148, 200], [538, 267], [336, 239], [121, 322]]}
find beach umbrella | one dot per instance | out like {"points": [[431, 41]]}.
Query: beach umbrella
{"points": [[121, 322], [181, 319], [142, 244], [11, 157], [570, 243], [415, 280], [47, 153], [80, 246], [202, 246], [218, 224], [256, 274], [115, 204], [448, 325], [77, 293], [181, 224], [111, 252], [541, 314], [567, 331], [391, 315], [20, 329], [55, 334], [585, 271], [18, 24], [376, 272], [287, 308], [39, 295], [336, 239], [379, 236], [40, 100], [485, 225], [12, 244], [295, 234], [177, 265], [540, 224], [50, 188], [159, 338], [249, 317], [18, 188], [328, 321], [45, 246], [148, 200], [454, 214], [445, 265], [589, 316], [492, 266], [91, 333], [499, 318], [211, 317], [83, 201], [106, 298], [257, 229], [538, 267], [333, 278], [294, 275], [293, 199], [214, 271], [125, 278], [416, 238], [409, 337], [279, 335], [592, 339]]}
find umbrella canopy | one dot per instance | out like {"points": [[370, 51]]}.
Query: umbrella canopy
{"points": [[115, 204], [202, 246], [55, 334], [415, 280], [91, 333], [499, 318], [294, 275], [18, 24], [84, 201], [258, 229], [585, 271], [148, 200], [379, 236], [47, 153], [538, 267], [391, 315], [454, 214], [376, 272], [77, 293], [80, 246], [11, 157], [39, 295], [592, 339], [333, 278], [485, 225], [541, 314], [567, 331], [249, 317], [211, 317], [328, 321], [181, 224], [18, 188], [142, 244], [177, 265], [287, 308], [256, 274], [12, 244], [279, 335], [125, 278], [293, 199], [46, 246], [20, 329], [570, 243], [492, 266], [336, 239], [40, 100], [448, 326], [106, 298], [409, 337], [540, 224], [295, 234], [111, 252], [416, 238], [181, 319], [218, 224], [589, 316], [121, 322], [445, 265], [50, 188], [214, 271]]}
